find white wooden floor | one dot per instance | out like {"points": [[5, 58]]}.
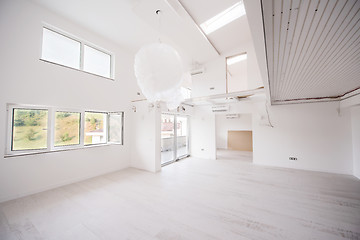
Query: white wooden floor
{"points": [[192, 199]]}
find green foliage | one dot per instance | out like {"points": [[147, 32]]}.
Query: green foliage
{"points": [[93, 121], [67, 127], [65, 137], [24, 117], [32, 122], [30, 135], [19, 122], [29, 129], [63, 115]]}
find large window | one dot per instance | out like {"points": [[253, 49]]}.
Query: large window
{"points": [[29, 129], [95, 128], [33, 129], [97, 62], [60, 48], [236, 73], [67, 128]]}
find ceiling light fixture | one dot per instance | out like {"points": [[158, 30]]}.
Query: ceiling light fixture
{"points": [[235, 59], [223, 18], [159, 73]]}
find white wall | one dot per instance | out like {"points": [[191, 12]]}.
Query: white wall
{"points": [[223, 125], [146, 137], [314, 133], [215, 73], [202, 133], [27, 80], [355, 123]]}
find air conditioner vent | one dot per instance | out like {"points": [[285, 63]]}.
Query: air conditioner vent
{"points": [[197, 71], [232, 116], [220, 108]]}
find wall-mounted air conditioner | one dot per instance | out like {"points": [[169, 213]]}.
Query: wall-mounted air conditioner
{"points": [[197, 71], [232, 116], [220, 108]]}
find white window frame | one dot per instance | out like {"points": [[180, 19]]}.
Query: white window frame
{"points": [[106, 128], [100, 50], [51, 130], [82, 43], [9, 135], [176, 115], [122, 127]]}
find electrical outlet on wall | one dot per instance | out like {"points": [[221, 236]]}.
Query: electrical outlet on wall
{"points": [[293, 158]]}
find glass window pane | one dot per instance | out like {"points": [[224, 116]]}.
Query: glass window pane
{"points": [[60, 49], [167, 138], [96, 62], [236, 73], [95, 128], [67, 129], [115, 127], [182, 136], [29, 129]]}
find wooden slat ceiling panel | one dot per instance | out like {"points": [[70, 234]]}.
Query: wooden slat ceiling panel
{"points": [[313, 47]]}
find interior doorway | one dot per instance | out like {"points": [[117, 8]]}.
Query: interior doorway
{"points": [[174, 138], [234, 136]]}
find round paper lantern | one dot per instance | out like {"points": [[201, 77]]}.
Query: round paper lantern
{"points": [[175, 99], [158, 68], [186, 79]]}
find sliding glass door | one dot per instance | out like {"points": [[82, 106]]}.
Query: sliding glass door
{"points": [[182, 139], [174, 138], [167, 138]]}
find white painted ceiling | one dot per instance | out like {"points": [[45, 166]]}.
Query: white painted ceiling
{"points": [[313, 48], [177, 28], [133, 23]]}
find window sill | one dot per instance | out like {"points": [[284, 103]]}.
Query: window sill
{"points": [[59, 150], [79, 70]]}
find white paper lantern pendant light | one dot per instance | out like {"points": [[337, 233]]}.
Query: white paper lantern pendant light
{"points": [[159, 73]]}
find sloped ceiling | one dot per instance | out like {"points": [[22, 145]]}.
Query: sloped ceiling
{"points": [[312, 47]]}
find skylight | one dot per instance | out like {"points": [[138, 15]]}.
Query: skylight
{"points": [[235, 59], [227, 16]]}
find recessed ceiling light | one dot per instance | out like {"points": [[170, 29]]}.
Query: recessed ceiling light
{"points": [[235, 59], [235, 11]]}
